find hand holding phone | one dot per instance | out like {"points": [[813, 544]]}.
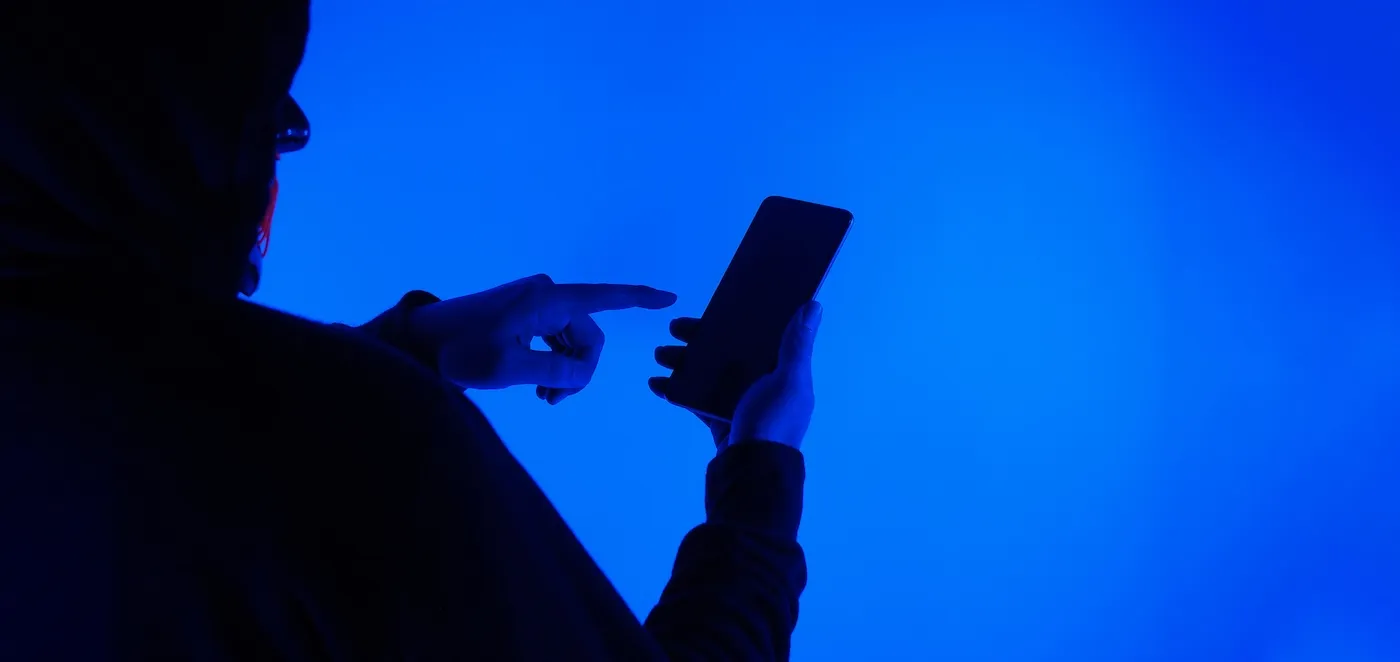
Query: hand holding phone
{"points": [[758, 319], [778, 407]]}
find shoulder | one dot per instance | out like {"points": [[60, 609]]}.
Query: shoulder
{"points": [[341, 371]]}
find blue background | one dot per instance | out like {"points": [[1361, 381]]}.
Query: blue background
{"points": [[1110, 361]]}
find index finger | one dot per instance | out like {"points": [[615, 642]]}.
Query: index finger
{"points": [[594, 298]]}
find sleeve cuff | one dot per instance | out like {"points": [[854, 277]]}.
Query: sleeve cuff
{"points": [[757, 486], [391, 328]]}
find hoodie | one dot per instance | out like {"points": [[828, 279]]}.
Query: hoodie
{"points": [[185, 475]]}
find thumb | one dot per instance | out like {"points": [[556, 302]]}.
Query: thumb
{"points": [[800, 336]]}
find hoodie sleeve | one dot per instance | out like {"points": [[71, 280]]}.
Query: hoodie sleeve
{"points": [[737, 577], [391, 327]]}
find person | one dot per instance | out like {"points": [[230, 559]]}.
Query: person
{"points": [[187, 475]]}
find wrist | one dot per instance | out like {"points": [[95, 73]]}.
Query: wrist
{"points": [[757, 486], [746, 441], [395, 328]]}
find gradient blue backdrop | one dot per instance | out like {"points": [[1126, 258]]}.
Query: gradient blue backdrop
{"points": [[1109, 365]]}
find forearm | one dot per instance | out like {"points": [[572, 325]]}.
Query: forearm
{"points": [[734, 590]]}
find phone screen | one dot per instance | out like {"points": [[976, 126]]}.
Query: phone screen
{"points": [[779, 266]]}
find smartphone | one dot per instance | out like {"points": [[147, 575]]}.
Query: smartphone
{"points": [[779, 266]]}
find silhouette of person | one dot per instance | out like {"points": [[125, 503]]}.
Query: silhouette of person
{"points": [[187, 475]]}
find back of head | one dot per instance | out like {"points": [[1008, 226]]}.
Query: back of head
{"points": [[137, 139]]}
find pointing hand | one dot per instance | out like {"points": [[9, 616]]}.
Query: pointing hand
{"points": [[482, 340]]}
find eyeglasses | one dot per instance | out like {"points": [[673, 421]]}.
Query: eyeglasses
{"points": [[294, 130]]}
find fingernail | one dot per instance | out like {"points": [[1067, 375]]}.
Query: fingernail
{"points": [[812, 315]]}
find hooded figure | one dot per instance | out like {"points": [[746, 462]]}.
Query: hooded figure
{"points": [[185, 475]]}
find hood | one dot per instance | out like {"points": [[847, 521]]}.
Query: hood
{"points": [[138, 139]]}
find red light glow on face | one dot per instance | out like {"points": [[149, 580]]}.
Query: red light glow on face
{"points": [[265, 229]]}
